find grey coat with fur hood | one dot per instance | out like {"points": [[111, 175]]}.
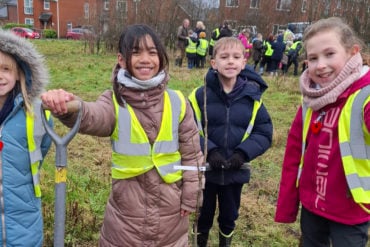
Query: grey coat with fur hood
{"points": [[20, 210]]}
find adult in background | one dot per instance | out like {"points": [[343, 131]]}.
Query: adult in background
{"points": [[258, 49], [279, 47], [219, 32], [199, 27], [266, 56], [182, 37]]}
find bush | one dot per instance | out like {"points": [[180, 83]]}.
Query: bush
{"points": [[11, 25], [49, 33]]}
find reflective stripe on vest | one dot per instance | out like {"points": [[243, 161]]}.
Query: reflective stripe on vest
{"points": [[132, 153], [354, 141], [198, 115], [191, 47], [202, 47], [35, 133], [212, 41]]}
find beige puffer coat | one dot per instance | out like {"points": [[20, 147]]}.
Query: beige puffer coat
{"points": [[143, 210]]}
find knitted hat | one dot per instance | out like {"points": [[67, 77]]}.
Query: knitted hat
{"points": [[202, 35]]}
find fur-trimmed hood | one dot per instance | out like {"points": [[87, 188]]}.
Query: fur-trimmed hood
{"points": [[28, 59]]}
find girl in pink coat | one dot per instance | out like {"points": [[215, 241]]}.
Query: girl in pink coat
{"points": [[244, 37], [327, 159]]}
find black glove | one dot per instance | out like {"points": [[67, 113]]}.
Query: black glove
{"points": [[216, 160], [236, 160]]}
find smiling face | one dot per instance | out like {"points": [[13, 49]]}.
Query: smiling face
{"points": [[326, 56], [8, 76], [145, 63], [228, 59]]}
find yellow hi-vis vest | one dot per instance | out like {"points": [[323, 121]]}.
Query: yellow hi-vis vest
{"points": [[35, 133], [202, 47], [269, 49], [198, 115], [132, 153], [212, 41], [354, 141], [191, 47]]}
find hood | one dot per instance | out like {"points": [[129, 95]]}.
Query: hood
{"points": [[28, 59], [280, 38]]}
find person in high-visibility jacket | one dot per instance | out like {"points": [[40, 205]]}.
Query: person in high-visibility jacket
{"points": [[191, 49], [202, 49], [326, 168], [23, 141], [266, 56], [218, 33], [154, 141], [239, 130]]}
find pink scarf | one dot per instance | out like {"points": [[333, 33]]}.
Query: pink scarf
{"points": [[318, 98]]}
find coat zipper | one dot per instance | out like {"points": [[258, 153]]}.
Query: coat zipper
{"points": [[2, 206]]}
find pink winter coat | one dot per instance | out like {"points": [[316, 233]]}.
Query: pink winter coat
{"points": [[144, 210], [322, 188], [248, 46]]}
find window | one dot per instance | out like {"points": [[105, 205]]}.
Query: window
{"points": [[327, 7], [232, 3], [69, 26], [106, 4], [28, 7], [255, 4], [46, 4], [86, 11], [29, 21], [339, 4], [283, 4], [121, 6], [304, 6]]}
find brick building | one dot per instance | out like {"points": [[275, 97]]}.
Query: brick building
{"points": [[165, 15]]}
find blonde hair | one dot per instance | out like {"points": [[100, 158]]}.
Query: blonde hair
{"points": [[226, 42], [348, 37], [9, 61], [200, 25]]}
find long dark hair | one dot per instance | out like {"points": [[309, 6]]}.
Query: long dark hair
{"points": [[131, 38]]}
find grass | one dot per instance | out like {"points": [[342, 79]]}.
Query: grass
{"points": [[88, 183]]}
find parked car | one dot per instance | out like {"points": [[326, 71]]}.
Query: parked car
{"points": [[78, 33], [25, 32]]}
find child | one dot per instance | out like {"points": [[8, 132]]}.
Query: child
{"points": [[23, 141], [239, 130], [244, 37], [329, 176], [202, 50], [258, 49], [152, 129], [191, 49]]}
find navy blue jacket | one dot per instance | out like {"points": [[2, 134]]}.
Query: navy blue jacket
{"points": [[279, 48], [228, 117]]}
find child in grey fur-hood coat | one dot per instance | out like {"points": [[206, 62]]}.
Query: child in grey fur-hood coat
{"points": [[23, 75]]}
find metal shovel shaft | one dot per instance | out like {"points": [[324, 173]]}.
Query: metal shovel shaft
{"points": [[61, 174]]}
